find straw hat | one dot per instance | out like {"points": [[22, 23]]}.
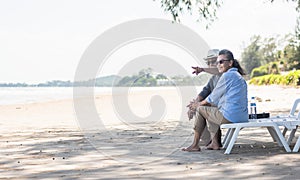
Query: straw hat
{"points": [[212, 53]]}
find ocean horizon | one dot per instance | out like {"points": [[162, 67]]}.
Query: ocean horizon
{"points": [[25, 95]]}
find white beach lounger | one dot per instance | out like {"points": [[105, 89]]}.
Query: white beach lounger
{"points": [[290, 122], [234, 129]]}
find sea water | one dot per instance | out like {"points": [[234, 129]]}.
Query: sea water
{"points": [[24, 95]]}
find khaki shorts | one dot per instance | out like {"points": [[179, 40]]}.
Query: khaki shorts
{"points": [[209, 116]]}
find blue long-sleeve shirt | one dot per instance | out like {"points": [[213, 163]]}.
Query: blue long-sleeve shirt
{"points": [[230, 96]]}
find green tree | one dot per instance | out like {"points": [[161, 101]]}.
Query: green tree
{"points": [[251, 57], [205, 9], [262, 52], [268, 50], [146, 72], [290, 54], [297, 33], [144, 78], [161, 76]]}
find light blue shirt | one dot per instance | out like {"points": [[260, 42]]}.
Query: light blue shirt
{"points": [[212, 83], [230, 96]]}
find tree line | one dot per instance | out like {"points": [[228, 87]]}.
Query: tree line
{"points": [[271, 55], [144, 78]]}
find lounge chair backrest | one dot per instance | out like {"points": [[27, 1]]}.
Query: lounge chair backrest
{"points": [[293, 110]]}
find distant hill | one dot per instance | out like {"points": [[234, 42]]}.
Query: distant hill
{"points": [[105, 81], [108, 81]]}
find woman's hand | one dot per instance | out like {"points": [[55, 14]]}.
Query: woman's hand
{"points": [[204, 103], [193, 107]]}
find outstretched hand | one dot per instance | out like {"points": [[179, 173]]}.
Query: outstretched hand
{"points": [[197, 70]]}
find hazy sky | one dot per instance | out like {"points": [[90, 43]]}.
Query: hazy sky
{"points": [[43, 40]]}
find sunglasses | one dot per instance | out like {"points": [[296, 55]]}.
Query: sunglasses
{"points": [[222, 61], [212, 63]]}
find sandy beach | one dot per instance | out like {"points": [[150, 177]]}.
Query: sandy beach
{"points": [[47, 140]]}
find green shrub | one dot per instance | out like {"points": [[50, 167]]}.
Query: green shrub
{"points": [[260, 71], [253, 81], [270, 68], [272, 79], [278, 79], [290, 79]]}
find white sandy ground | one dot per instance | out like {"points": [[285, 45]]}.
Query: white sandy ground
{"points": [[46, 141]]}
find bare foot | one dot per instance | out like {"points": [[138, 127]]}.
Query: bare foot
{"points": [[192, 149], [212, 146]]}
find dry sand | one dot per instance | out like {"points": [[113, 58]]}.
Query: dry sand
{"points": [[45, 141]]}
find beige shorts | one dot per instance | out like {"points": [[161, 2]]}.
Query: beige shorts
{"points": [[209, 116]]}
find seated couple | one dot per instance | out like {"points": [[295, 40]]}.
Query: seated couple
{"points": [[222, 100]]}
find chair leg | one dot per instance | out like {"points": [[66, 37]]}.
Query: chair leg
{"points": [[297, 145], [231, 131], [281, 139], [284, 131], [232, 141], [274, 137], [226, 136], [292, 135]]}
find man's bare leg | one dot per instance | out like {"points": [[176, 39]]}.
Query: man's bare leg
{"points": [[214, 145], [195, 146], [219, 136], [205, 139]]}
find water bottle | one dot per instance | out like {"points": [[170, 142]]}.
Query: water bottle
{"points": [[253, 114]]}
